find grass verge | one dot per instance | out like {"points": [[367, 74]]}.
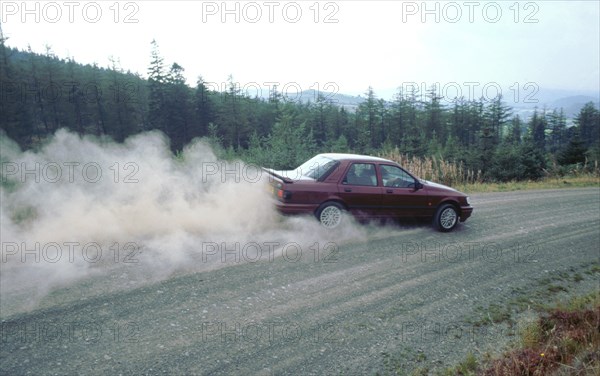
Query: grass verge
{"points": [[546, 183], [561, 338], [563, 341]]}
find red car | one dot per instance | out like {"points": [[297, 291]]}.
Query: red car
{"points": [[330, 185]]}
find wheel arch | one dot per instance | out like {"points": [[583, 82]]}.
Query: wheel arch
{"points": [[450, 201], [331, 199]]}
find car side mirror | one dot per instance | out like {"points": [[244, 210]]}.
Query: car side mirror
{"points": [[418, 185]]}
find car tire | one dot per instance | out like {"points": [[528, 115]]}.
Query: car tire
{"points": [[331, 214], [446, 218]]}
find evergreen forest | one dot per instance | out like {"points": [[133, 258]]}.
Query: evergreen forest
{"points": [[42, 93]]}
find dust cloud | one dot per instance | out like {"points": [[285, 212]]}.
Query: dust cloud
{"points": [[86, 211]]}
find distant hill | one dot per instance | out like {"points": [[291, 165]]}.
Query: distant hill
{"points": [[570, 104], [569, 101], [573, 104], [349, 102]]}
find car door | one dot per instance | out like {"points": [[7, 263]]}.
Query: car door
{"points": [[400, 196], [360, 190]]}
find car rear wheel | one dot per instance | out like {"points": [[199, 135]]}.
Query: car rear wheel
{"points": [[446, 218], [330, 214]]}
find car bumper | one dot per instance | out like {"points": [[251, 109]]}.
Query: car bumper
{"points": [[465, 212], [290, 209]]}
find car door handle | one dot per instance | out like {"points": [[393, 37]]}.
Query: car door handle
{"points": [[347, 189], [390, 191]]}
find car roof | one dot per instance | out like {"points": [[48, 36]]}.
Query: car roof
{"points": [[345, 156]]}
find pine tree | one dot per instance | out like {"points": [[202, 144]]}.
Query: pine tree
{"points": [[574, 152], [51, 91], [383, 119], [178, 107], [514, 133], [398, 118], [232, 115], [156, 86], [76, 99], [101, 110], [451, 149], [124, 117], [507, 163], [205, 111], [290, 143], [537, 129], [588, 121], [493, 117], [531, 159], [256, 153], [367, 122], [434, 115], [319, 110], [404, 127], [496, 116], [557, 123], [39, 109], [340, 145], [16, 119]]}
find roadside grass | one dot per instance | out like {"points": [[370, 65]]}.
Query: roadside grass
{"points": [[456, 175], [541, 318], [581, 181], [434, 168], [563, 340], [467, 367]]}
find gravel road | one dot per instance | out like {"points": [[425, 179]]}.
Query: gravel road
{"points": [[401, 297]]}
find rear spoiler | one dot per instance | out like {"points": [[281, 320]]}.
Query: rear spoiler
{"points": [[282, 178]]}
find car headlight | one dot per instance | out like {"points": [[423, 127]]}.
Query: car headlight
{"points": [[468, 200]]}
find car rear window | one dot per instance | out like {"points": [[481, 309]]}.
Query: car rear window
{"points": [[317, 167]]}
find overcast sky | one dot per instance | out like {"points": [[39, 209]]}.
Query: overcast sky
{"points": [[345, 46]]}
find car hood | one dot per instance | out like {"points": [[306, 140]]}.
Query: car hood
{"points": [[438, 186]]}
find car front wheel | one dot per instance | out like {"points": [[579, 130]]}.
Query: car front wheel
{"points": [[330, 214], [445, 218]]}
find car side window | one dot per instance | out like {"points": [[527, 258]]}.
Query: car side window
{"points": [[396, 177], [361, 174]]}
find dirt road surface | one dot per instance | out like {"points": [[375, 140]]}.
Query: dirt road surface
{"points": [[399, 299]]}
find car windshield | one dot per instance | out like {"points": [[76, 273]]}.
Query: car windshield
{"points": [[315, 167]]}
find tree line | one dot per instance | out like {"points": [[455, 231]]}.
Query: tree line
{"points": [[42, 93]]}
